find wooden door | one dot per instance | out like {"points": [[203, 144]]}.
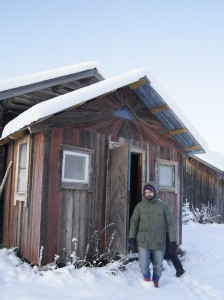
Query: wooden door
{"points": [[119, 195]]}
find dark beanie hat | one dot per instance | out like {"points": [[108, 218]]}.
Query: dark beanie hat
{"points": [[150, 188]]}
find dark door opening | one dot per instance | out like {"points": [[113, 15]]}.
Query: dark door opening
{"points": [[135, 182]]}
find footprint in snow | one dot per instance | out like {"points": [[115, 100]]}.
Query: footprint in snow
{"points": [[205, 291]]}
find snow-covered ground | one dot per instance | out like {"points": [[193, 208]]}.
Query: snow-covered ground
{"points": [[204, 265]]}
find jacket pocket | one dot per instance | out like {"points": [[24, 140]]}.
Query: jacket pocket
{"points": [[141, 235]]}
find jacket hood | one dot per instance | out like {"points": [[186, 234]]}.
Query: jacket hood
{"points": [[152, 184]]}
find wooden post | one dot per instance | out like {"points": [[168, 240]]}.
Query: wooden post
{"points": [[5, 178]]}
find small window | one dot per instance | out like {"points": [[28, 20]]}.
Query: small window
{"points": [[167, 175], [22, 169], [76, 168], [22, 163]]}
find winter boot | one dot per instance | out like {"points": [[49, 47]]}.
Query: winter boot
{"points": [[156, 283], [180, 272]]}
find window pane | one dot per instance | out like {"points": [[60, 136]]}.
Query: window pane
{"points": [[75, 167], [22, 155], [21, 185], [166, 176], [22, 182]]}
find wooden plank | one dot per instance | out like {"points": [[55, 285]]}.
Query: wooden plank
{"points": [[5, 141], [178, 131], [5, 177], [158, 109], [137, 84], [195, 147], [76, 214], [53, 196], [119, 195], [68, 221], [83, 223], [18, 134], [35, 195]]}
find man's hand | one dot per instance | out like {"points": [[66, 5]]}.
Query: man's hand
{"points": [[133, 245]]}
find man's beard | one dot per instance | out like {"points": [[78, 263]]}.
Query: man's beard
{"points": [[149, 197]]}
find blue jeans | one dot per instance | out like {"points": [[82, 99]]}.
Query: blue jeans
{"points": [[146, 256]]}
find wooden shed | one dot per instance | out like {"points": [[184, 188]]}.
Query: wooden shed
{"points": [[19, 94], [203, 183], [80, 161]]}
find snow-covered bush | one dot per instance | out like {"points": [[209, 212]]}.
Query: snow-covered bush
{"points": [[187, 215], [96, 252], [203, 215]]}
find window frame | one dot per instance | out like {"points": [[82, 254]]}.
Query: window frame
{"points": [[163, 162], [70, 184], [22, 196]]}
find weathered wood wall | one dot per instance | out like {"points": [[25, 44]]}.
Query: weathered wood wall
{"points": [[22, 223], [203, 185], [71, 213], [53, 216]]}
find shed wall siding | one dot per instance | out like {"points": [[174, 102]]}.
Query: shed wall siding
{"points": [[73, 213], [203, 185], [54, 216], [22, 223]]}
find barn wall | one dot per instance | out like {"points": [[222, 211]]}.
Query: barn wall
{"points": [[71, 213], [203, 185], [22, 223], [54, 216]]}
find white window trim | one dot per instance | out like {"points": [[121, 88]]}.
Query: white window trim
{"points": [[19, 196], [76, 184], [168, 163], [76, 153]]}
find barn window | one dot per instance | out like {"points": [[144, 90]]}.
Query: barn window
{"points": [[22, 163], [167, 175], [76, 167]]}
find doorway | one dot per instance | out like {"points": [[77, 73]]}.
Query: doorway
{"points": [[135, 182], [127, 173]]}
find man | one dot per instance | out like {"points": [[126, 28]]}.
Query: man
{"points": [[150, 221]]}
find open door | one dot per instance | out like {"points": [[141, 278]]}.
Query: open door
{"points": [[118, 207], [125, 190]]}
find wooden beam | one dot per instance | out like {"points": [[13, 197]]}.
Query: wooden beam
{"points": [[17, 135], [178, 131], [5, 178], [158, 109], [195, 147], [43, 84], [4, 141], [137, 84]]}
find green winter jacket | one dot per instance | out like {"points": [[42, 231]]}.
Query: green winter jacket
{"points": [[150, 222]]}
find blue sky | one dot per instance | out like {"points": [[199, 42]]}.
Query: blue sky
{"points": [[180, 42]]}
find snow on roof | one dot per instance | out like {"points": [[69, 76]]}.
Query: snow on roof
{"points": [[46, 75], [80, 96], [213, 158]]}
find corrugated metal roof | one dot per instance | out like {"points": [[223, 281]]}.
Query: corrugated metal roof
{"points": [[155, 103]]}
